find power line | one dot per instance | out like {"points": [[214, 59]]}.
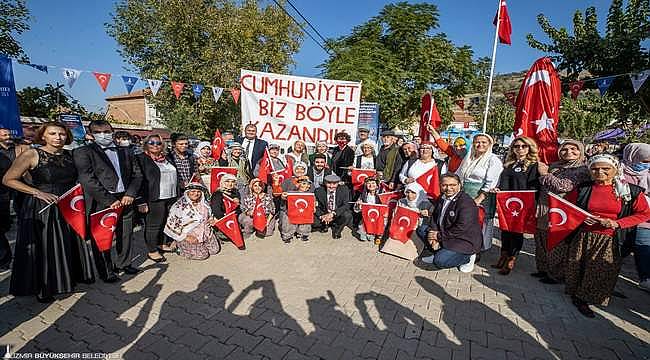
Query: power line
{"points": [[301, 27], [308, 23]]}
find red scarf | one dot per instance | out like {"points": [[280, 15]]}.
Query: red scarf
{"points": [[159, 158]]}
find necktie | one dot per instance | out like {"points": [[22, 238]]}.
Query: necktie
{"points": [[330, 201], [110, 148], [248, 146]]}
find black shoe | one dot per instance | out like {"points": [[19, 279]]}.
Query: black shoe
{"points": [[584, 309], [336, 236], [45, 299], [158, 260], [112, 278], [548, 280], [305, 238], [322, 230], [130, 270], [287, 241], [539, 274]]}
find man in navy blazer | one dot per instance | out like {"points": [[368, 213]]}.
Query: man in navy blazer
{"points": [[253, 147]]}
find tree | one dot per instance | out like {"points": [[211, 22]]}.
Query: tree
{"points": [[46, 102], [13, 21], [397, 58], [205, 42]]}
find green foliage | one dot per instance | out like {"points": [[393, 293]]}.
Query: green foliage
{"points": [[13, 21], [205, 42], [42, 102], [397, 58]]}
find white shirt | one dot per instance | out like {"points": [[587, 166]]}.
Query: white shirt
{"points": [[367, 162], [115, 160], [168, 180], [418, 168], [445, 205], [486, 173], [249, 155]]}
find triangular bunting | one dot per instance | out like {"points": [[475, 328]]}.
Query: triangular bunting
{"points": [[197, 89], [103, 79], [575, 88], [235, 94], [129, 82], [604, 84], [154, 85], [70, 76], [637, 79], [216, 93], [42, 68], [178, 88]]}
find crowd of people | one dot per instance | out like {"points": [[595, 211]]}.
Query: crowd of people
{"points": [[168, 189]]}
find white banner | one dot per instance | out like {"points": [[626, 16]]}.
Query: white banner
{"points": [[288, 108]]}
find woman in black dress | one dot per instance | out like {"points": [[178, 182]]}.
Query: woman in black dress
{"points": [[50, 258]]}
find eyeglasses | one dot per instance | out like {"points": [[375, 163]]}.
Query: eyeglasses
{"points": [[520, 146], [150, 142]]}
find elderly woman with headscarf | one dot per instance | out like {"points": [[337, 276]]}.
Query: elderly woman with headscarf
{"points": [[190, 224], [204, 160], [238, 161], [298, 152], [479, 173], [560, 178], [597, 248], [636, 170], [257, 196], [223, 199], [322, 148]]}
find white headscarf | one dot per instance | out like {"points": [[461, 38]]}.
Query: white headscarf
{"points": [[421, 195], [621, 188], [202, 144], [469, 163]]}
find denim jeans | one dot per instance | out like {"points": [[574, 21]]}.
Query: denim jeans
{"points": [[448, 259], [642, 253]]}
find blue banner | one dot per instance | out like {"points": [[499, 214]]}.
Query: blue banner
{"points": [[129, 82], [73, 122], [9, 114], [369, 119], [604, 84]]}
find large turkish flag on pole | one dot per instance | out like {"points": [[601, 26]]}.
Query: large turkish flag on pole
{"points": [[373, 218], [73, 209], [359, 176], [404, 223], [230, 227], [505, 27], [430, 182], [215, 176], [516, 211], [563, 219], [300, 208], [428, 116], [102, 227], [538, 108]]}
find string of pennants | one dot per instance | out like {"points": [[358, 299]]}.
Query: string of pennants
{"points": [[71, 75], [575, 87]]}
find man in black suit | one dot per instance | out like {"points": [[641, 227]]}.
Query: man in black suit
{"points": [[110, 177], [453, 230], [253, 147], [317, 170], [332, 207]]}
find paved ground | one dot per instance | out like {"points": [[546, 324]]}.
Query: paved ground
{"points": [[329, 299]]}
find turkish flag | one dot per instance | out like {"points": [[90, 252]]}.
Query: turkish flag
{"points": [[287, 172], [505, 27], [229, 226], [73, 209], [301, 207], [235, 94], [575, 88], [563, 219], [428, 116], [430, 182], [266, 167], [404, 223], [511, 96], [178, 88], [229, 204], [516, 211], [259, 216], [538, 108], [359, 176], [373, 218], [215, 176], [217, 145], [102, 227], [390, 198], [102, 79]]}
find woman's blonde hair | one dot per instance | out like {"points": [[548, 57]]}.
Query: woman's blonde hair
{"points": [[531, 158], [145, 145]]}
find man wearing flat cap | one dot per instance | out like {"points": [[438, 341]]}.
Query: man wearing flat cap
{"points": [[389, 162], [332, 207]]}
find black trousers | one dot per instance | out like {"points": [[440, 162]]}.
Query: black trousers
{"points": [[155, 223], [5, 226], [339, 222], [511, 242]]}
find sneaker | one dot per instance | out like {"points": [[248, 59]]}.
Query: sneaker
{"points": [[305, 238], [428, 259], [469, 267], [645, 284]]}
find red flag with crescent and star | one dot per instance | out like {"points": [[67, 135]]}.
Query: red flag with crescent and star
{"points": [[178, 88], [563, 219], [102, 227], [73, 209], [404, 223], [373, 218], [538, 108], [287, 172], [266, 167], [259, 216], [217, 145], [359, 176], [103, 79], [505, 26], [428, 116], [215, 176], [300, 208], [430, 182], [229, 226], [390, 198], [229, 204], [516, 211]]}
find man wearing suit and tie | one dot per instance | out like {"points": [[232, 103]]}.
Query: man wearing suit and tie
{"points": [[110, 177], [253, 147], [332, 207]]}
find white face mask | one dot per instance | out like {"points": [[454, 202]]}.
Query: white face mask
{"points": [[125, 143], [103, 139]]}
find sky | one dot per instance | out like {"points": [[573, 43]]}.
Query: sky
{"points": [[71, 33]]}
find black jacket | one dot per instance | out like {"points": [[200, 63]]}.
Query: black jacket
{"points": [[461, 230], [341, 201], [98, 177], [258, 150], [151, 179], [310, 174], [217, 205], [341, 160]]}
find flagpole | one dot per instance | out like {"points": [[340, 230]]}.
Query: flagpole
{"points": [[494, 55]]}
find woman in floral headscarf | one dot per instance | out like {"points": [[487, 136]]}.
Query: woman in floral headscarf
{"points": [[204, 160], [246, 218]]}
